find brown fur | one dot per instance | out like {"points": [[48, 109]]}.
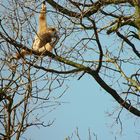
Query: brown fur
{"points": [[43, 37], [22, 54]]}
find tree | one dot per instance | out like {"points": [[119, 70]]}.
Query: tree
{"points": [[81, 50]]}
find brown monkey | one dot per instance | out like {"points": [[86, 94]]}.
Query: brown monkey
{"points": [[45, 38]]}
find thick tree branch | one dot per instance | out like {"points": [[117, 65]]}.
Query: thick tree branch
{"points": [[52, 70], [62, 9], [114, 94], [129, 43], [99, 45], [91, 10]]}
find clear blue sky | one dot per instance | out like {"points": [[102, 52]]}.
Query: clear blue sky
{"points": [[87, 108]]}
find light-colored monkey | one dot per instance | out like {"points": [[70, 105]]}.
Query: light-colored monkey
{"points": [[46, 37]]}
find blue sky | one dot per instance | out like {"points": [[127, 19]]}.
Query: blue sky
{"points": [[87, 107]]}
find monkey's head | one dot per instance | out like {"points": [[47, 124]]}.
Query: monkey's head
{"points": [[52, 31]]}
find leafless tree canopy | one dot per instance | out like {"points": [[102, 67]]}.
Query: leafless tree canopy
{"points": [[99, 38]]}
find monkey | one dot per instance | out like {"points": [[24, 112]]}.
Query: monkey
{"points": [[22, 54], [45, 38], [45, 34]]}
